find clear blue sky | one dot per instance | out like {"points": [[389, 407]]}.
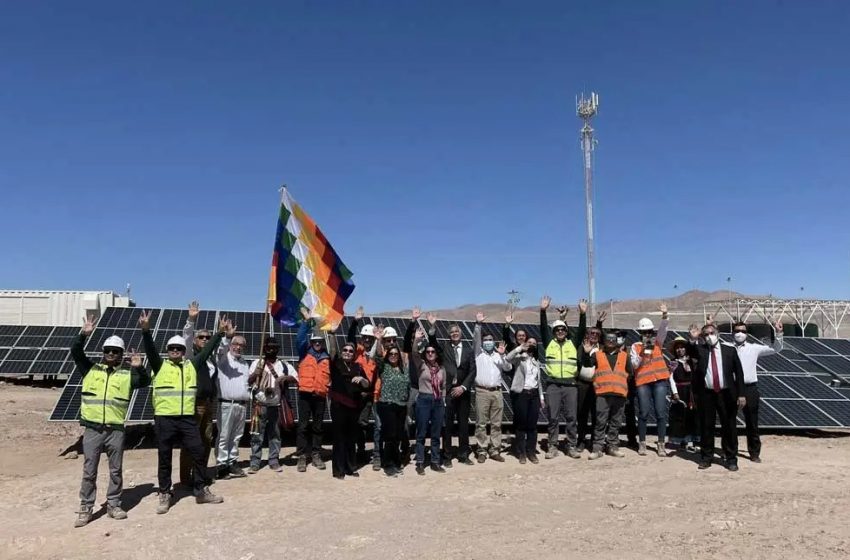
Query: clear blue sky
{"points": [[435, 143]]}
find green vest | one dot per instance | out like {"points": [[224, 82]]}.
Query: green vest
{"points": [[561, 360], [174, 389], [106, 396]]}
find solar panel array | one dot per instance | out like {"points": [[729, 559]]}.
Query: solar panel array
{"points": [[35, 350], [794, 384]]}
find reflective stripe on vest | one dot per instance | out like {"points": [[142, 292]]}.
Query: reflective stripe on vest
{"points": [[652, 369], [609, 381], [174, 389], [561, 360], [105, 396], [314, 375]]}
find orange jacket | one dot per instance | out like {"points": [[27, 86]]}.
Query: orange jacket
{"points": [[369, 368], [314, 376], [651, 369], [608, 381]]}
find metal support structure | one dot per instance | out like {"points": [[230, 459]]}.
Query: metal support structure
{"points": [[586, 109], [802, 311], [513, 300]]}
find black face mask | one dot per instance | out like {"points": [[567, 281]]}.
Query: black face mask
{"points": [[270, 354], [532, 349]]}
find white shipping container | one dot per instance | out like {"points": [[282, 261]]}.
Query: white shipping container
{"points": [[55, 308]]}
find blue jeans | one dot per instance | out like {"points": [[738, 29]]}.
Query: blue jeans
{"points": [[653, 396], [270, 430], [429, 421]]}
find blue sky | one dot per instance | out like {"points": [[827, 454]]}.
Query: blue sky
{"points": [[435, 143]]}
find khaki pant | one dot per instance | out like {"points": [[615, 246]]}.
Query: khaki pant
{"points": [[204, 413], [489, 408]]}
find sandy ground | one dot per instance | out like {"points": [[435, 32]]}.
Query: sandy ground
{"points": [[794, 505]]}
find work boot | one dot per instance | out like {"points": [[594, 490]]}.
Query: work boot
{"points": [[533, 458], [497, 457], [83, 516], [302, 464], [573, 453], [447, 462], [222, 473], [642, 448], [659, 449], [552, 453], [253, 469], [207, 497], [376, 463], [614, 451], [420, 469], [275, 467], [482, 457], [164, 503], [522, 458], [115, 512], [596, 454], [317, 462], [236, 472], [437, 468]]}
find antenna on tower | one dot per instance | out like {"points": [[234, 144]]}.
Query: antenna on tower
{"points": [[513, 300], [586, 109]]}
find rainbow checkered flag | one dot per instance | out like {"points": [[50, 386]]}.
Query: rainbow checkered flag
{"points": [[306, 271]]}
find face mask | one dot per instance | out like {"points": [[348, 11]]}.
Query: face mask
{"points": [[489, 345], [620, 341], [740, 337], [532, 349], [712, 339], [271, 355]]}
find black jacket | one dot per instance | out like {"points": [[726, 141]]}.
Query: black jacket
{"points": [[456, 375], [733, 372]]}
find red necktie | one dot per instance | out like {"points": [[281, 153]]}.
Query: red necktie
{"points": [[715, 376]]}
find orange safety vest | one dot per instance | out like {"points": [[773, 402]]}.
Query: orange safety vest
{"points": [[652, 369], [607, 381], [369, 365], [314, 375]]}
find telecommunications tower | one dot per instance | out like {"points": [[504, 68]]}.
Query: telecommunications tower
{"points": [[586, 109]]}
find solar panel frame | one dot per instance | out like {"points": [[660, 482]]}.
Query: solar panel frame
{"points": [[62, 337], [810, 388], [837, 365], [808, 346], [838, 345], [802, 413]]}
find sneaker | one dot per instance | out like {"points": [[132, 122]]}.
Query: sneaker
{"points": [[690, 448], [236, 472], [317, 462], [302, 464], [482, 457], [115, 512], [437, 468], [573, 453], [595, 455], [276, 467], [522, 458], [164, 503], [253, 469], [447, 463], [551, 454], [376, 463], [642, 448], [207, 497], [659, 449], [420, 470], [497, 457], [83, 517], [615, 452], [533, 458]]}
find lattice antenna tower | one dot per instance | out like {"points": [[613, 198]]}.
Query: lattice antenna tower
{"points": [[513, 300], [586, 109]]}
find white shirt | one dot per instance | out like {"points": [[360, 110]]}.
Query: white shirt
{"points": [[280, 368], [233, 375], [749, 354], [489, 369], [709, 379]]}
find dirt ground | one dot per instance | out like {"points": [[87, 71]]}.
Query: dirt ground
{"points": [[793, 505]]}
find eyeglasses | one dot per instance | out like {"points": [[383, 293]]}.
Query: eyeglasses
{"points": [[116, 351], [347, 350], [430, 351], [560, 329], [176, 349], [203, 337], [240, 344]]}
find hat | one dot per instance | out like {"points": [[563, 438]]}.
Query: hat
{"points": [[678, 341], [367, 330], [645, 324], [389, 332], [558, 323], [176, 340], [114, 342], [316, 336]]}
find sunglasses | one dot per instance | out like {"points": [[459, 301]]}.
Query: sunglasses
{"points": [[743, 332], [347, 350], [203, 337], [430, 351], [560, 329], [116, 351], [176, 349], [393, 354]]}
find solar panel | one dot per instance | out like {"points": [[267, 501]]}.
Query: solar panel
{"points": [[772, 388], [62, 337], [807, 345], [493, 329], [810, 388], [288, 345], [801, 413], [532, 330], [770, 418], [838, 365], [141, 406], [776, 362], [839, 345], [3, 352], [67, 408], [835, 409], [18, 361], [49, 361]]}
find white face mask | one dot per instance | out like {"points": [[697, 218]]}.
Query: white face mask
{"points": [[740, 337], [712, 339], [620, 340]]}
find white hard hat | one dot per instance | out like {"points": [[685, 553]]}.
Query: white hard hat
{"points": [[114, 342], [645, 324], [316, 336], [558, 323], [367, 330], [176, 340], [389, 332]]}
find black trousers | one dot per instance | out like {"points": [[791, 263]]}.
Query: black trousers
{"points": [[364, 431], [174, 431], [526, 414], [457, 409], [311, 416], [631, 415], [722, 405], [751, 418], [684, 419], [344, 428], [393, 431], [586, 410]]}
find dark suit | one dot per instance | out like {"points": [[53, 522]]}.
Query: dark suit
{"points": [[724, 403], [458, 375]]}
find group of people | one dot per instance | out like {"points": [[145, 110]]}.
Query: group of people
{"points": [[590, 380]]}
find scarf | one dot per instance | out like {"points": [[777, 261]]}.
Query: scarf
{"points": [[436, 380]]}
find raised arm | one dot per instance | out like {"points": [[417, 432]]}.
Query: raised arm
{"points": [[302, 339], [661, 337], [189, 328], [507, 335], [476, 340], [432, 334], [139, 376], [778, 343], [545, 334], [210, 347], [578, 337], [352, 329], [147, 339], [503, 364], [78, 352]]}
